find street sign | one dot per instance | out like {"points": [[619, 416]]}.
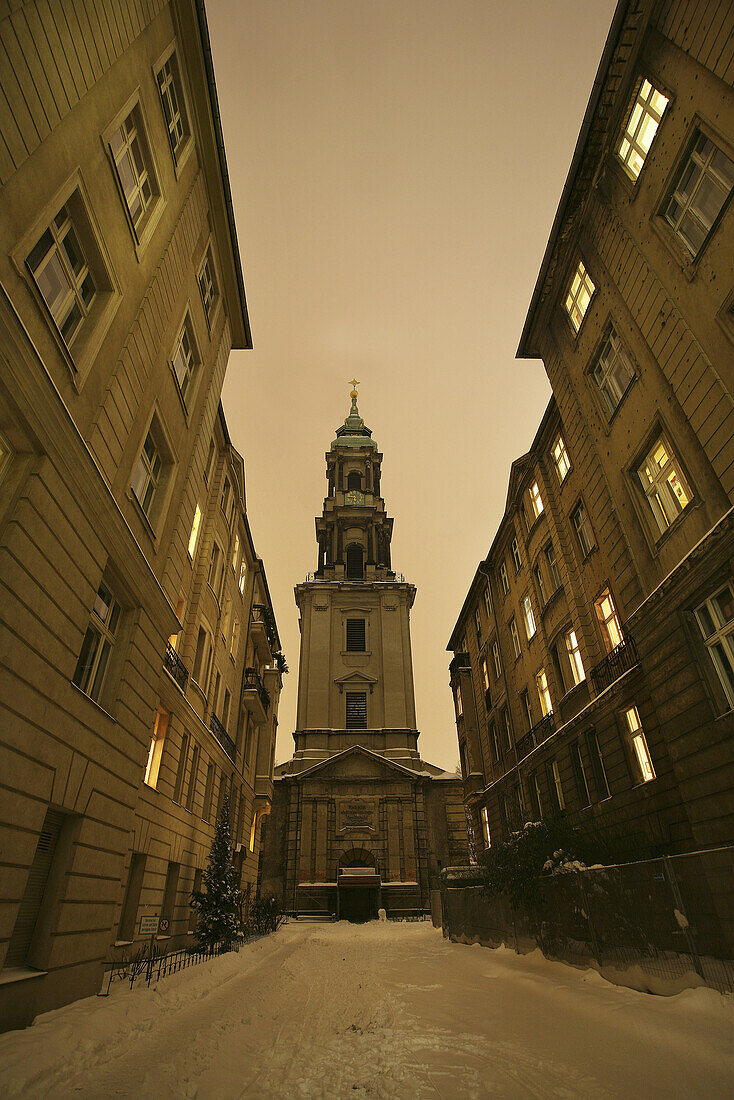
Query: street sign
{"points": [[149, 924], [163, 925]]}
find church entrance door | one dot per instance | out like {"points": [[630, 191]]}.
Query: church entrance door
{"points": [[358, 885]]}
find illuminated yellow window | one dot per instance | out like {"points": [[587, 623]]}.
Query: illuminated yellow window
{"points": [[155, 751], [639, 744], [485, 828], [543, 693], [579, 295], [536, 499], [561, 459], [574, 657], [607, 615], [527, 610], [194, 532], [642, 125], [665, 487]]}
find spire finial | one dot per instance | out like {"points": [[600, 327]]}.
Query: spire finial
{"points": [[354, 395]]}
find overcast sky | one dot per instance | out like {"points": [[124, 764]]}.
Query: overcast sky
{"points": [[395, 167]]}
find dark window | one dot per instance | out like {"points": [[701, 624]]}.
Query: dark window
{"points": [[534, 791], [128, 920], [170, 890], [354, 481], [355, 568], [597, 764], [181, 773], [356, 635], [579, 774], [33, 899], [356, 710]]}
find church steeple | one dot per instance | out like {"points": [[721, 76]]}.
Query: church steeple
{"points": [[354, 531]]}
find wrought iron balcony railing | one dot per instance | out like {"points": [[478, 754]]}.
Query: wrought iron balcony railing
{"points": [[621, 659], [540, 732], [173, 664], [262, 614], [392, 578], [252, 680], [222, 737], [461, 660]]}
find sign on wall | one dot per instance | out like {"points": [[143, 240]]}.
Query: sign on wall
{"points": [[356, 814]]}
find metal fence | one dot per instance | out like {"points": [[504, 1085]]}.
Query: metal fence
{"points": [[669, 916]]}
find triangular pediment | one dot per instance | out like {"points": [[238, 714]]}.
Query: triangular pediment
{"points": [[357, 761], [356, 678], [517, 473]]}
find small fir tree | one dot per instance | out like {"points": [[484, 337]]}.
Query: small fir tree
{"points": [[219, 904]]}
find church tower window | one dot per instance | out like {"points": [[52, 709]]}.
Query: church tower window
{"points": [[355, 563], [356, 710], [356, 636], [354, 481]]}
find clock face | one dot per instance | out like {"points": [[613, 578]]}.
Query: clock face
{"points": [[353, 496]]}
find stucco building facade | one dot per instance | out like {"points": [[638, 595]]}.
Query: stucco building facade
{"points": [[359, 821], [138, 650], [594, 655]]}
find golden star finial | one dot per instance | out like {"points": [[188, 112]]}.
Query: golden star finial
{"points": [[354, 395]]}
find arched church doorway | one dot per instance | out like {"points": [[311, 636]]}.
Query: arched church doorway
{"points": [[358, 886]]}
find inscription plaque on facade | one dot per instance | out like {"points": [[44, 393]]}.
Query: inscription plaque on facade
{"points": [[356, 814]]}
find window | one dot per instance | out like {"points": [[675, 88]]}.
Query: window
{"points": [[583, 529], [529, 617], [59, 266], [536, 802], [170, 890], [215, 568], [541, 585], [235, 554], [226, 612], [527, 711], [209, 461], [560, 457], [550, 557], [234, 644], [181, 770], [243, 574], [155, 752], [702, 188], [485, 673], [485, 827], [457, 701], [356, 710], [507, 727], [641, 128], [546, 706], [715, 619], [612, 372], [183, 360], [99, 639], [180, 612], [494, 740], [555, 786], [129, 916], [597, 764], [226, 497], [665, 487], [147, 474], [355, 566], [226, 704], [515, 637], [579, 296], [208, 286], [639, 744], [193, 776], [496, 659], [35, 901], [503, 578], [515, 551], [356, 636], [194, 532], [208, 792], [535, 499], [464, 760], [200, 670], [174, 110], [478, 625], [579, 772], [134, 168], [609, 620], [488, 601], [574, 657], [354, 481]]}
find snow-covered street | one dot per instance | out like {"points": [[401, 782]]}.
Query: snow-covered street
{"points": [[385, 1010]]}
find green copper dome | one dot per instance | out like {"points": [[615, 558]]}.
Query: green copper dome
{"points": [[354, 432]]}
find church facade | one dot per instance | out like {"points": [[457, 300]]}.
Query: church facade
{"points": [[359, 822]]}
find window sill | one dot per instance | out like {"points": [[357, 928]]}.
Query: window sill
{"points": [[663, 537], [94, 702], [179, 391], [20, 974], [149, 529], [588, 554], [551, 600], [535, 523], [124, 943]]}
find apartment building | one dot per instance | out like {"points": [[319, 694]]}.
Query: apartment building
{"points": [[136, 686], [593, 667]]}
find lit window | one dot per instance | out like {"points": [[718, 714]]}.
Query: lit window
{"points": [[535, 499], [183, 359], [665, 487], [485, 673], [243, 574], [515, 550], [546, 705], [612, 372], [560, 457], [235, 553], [132, 162], [99, 639], [716, 621], [579, 295], [607, 614], [515, 637], [147, 475], [583, 530], [496, 659], [478, 625], [527, 610], [485, 828], [155, 752], [639, 744], [193, 537], [180, 611], [61, 272], [457, 700], [174, 111], [704, 184], [550, 557], [488, 601], [574, 657], [503, 578], [641, 128], [208, 286]]}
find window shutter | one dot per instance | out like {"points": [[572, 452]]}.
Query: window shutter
{"points": [[356, 635], [30, 906], [356, 710]]}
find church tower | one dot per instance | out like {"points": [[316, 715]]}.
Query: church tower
{"points": [[359, 822]]}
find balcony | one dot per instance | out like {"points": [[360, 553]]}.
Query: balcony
{"points": [[540, 732], [222, 737], [255, 696], [262, 632], [621, 659], [461, 660], [175, 667]]}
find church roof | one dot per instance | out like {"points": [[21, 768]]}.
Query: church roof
{"points": [[354, 432]]}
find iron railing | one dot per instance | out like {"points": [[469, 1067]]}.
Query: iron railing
{"points": [[396, 578], [621, 659], [252, 680], [461, 660], [263, 614], [223, 737], [173, 664], [540, 732]]}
